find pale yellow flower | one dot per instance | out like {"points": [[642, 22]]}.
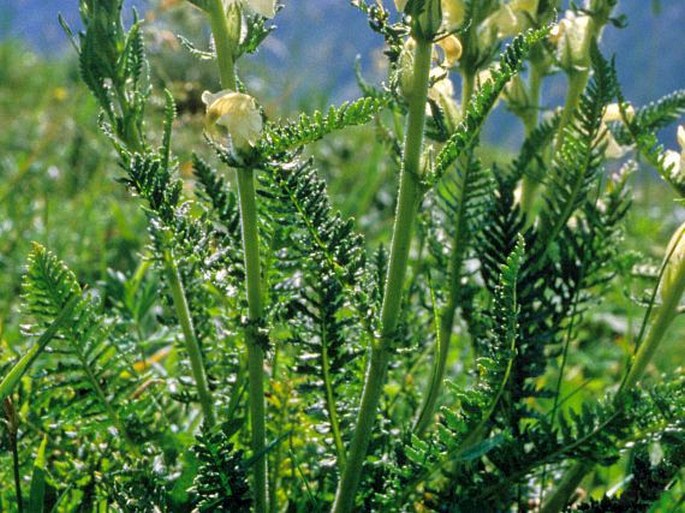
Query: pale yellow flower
{"points": [[516, 95], [453, 12], [266, 8], [442, 86], [613, 113], [511, 18], [675, 161], [530, 7], [400, 5], [676, 250], [452, 48], [572, 36], [237, 112]]}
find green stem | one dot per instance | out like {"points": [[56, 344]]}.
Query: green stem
{"points": [[448, 315], [425, 417], [667, 312], [566, 488], [191, 342], [225, 40], [255, 352], [407, 206], [12, 423], [665, 315], [330, 404], [577, 82], [468, 86], [446, 327], [223, 43], [529, 185]]}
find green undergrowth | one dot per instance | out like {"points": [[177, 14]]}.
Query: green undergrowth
{"points": [[128, 330]]}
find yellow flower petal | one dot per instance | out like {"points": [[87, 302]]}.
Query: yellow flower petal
{"points": [[676, 250], [681, 137], [266, 8], [237, 112], [452, 48], [453, 12]]}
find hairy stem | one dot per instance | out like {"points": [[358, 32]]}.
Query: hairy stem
{"points": [[191, 343], [225, 39], [407, 206], [223, 43], [447, 318], [664, 317], [255, 352], [529, 185], [576, 85]]}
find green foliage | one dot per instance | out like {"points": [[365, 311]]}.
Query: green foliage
{"points": [[516, 317], [284, 138], [466, 135], [221, 481], [655, 115], [89, 363], [648, 479], [640, 132], [113, 66], [579, 158]]}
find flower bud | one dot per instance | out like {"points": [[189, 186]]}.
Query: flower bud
{"points": [[237, 113], [442, 93], [406, 67], [675, 253]]}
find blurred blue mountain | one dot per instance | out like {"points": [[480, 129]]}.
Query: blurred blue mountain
{"points": [[322, 38]]}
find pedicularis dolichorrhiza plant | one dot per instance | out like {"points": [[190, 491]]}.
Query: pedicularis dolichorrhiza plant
{"points": [[280, 363]]}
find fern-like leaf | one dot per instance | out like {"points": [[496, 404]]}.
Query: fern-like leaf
{"points": [[483, 101], [579, 159], [89, 360], [280, 139], [221, 482]]}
